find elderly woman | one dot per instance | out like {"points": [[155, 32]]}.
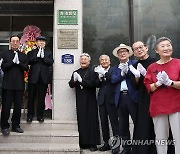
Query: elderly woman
{"points": [[84, 81], [162, 81]]}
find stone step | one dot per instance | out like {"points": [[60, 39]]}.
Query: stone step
{"points": [[49, 124], [42, 136], [39, 148]]}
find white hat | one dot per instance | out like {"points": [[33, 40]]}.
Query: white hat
{"points": [[122, 46]]}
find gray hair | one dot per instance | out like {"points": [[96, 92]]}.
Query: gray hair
{"points": [[104, 55], [87, 55], [161, 39]]}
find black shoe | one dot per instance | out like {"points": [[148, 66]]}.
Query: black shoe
{"points": [[93, 148], [126, 151], [17, 130], [5, 131], [116, 150], [105, 147], [40, 119]]}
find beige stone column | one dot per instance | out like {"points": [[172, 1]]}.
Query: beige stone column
{"points": [[63, 96]]}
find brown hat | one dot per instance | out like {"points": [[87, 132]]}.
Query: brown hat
{"points": [[122, 46]]}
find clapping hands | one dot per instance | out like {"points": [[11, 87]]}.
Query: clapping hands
{"points": [[163, 78], [77, 77], [40, 53], [100, 70], [134, 71], [16, 58], [141, 69], [124, 68]]}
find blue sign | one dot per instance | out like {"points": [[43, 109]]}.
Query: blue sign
{"points": [[67, 59]]}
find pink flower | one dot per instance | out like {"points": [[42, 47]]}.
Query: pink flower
{"points": [[30, 33]]}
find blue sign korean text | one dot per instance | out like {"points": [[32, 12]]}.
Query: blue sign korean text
{"points": [[67, 59]]}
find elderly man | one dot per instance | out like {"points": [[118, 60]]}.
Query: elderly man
{"points": [[14, 64], [84, 81], [39, 59], [125, 94], [143, 128], [105, 100]]}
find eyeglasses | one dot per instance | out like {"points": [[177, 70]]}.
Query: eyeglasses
{"points": [[139, 48], [121, 51]]}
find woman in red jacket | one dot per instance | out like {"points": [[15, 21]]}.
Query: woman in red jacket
{"points": [[163, 83]]}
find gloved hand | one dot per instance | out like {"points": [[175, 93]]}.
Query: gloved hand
{"points": [[159, 79], [141, 69], [134, 71], [100, 70], [79, 78], [124, 68], [1, 61], [42, 52], [39, 52], [75, 76], [166, 79], [16, 58]]}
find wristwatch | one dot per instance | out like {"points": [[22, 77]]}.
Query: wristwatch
{"points": [[172, 83]]}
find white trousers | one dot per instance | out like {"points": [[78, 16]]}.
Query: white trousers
{"points": [[162, 124]]}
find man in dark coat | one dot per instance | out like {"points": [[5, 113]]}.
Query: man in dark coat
{"points": [[39, 59], [84, 81], [105, 100], [14, 64], [126, 95]]}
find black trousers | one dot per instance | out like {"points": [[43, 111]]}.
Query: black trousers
{"points": [[108, 110], [33, 89], [9, 97], [125, 108]]}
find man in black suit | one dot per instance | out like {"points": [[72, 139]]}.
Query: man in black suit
{"points": [[13, 65], [105, 100], [39, 60]]}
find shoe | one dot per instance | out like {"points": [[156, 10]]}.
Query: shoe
{"points": [[40, 119], [17, 130], [5, 131], [93, 148], [105, 147], [126, 151], [115, 151]]}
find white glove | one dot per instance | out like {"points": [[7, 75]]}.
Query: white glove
{"points": [[101, 76], [134, 71], [39, 52], [75, 76], [100, 70], [79, 78], [166, 79], [159, 79], [16, 58], [1, 61], [124, 70], [42, 52], [141, 69]]}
